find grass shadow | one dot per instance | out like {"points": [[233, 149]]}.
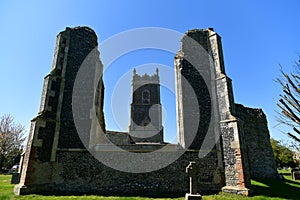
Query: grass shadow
{"points": [[293, 182], [286, 189]]}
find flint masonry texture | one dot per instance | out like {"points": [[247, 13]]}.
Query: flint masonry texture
{"points": [[54, 129], [257, 140], [203, 86], [57, 160], [146, 111]]}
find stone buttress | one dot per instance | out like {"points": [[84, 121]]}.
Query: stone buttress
{"points": [[205, 92]]}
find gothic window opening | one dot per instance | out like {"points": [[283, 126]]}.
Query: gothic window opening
{"points": [[146, 97]]}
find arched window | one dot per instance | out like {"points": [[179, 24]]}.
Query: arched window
{"points": [[146, 97]]}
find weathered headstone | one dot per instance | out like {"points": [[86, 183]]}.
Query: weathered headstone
{"points": [[295, 174], [15, 179], [192, 171]]}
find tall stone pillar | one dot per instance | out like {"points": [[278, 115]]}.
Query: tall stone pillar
{"points": [[205, 106], [53, 130]]}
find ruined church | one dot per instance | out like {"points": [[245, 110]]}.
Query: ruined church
{"points": [[69, 150]]}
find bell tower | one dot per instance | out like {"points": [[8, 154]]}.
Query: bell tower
{"points": [[146, 114]]}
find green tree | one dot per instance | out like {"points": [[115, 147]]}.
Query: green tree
{"points": [[11, 141], [289, 102], [283, 155]]}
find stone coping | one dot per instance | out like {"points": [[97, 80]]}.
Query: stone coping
{"points": [[139, 147]]}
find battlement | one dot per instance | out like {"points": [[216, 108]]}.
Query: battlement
{"points": [[146, 126], [145, 78]]}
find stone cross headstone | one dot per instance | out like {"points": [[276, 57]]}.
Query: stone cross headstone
{"points": [[192, 171]]}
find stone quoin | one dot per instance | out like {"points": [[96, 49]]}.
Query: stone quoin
{"points": [[222, 138]]}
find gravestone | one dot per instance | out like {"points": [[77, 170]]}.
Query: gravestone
{"points": [[15, 179], [295, 174], [192, 171]]}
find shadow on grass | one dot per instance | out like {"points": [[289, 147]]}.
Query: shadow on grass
{"points": [[285, 189], [293, 182]]}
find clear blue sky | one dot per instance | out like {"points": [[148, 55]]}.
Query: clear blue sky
{"points": [[257, 37]]}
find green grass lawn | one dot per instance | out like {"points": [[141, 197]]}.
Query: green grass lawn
{"points": [[263, 189], [6, 189]]}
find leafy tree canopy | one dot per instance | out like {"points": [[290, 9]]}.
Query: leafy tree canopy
{"points": [[283, 155]]}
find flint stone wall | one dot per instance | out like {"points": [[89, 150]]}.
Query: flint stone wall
{"points": [[257, 141], [56, 161], [200, 71], [80, 173]]}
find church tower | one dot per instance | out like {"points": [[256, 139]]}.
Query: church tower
{"points": [[146, 114]]}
